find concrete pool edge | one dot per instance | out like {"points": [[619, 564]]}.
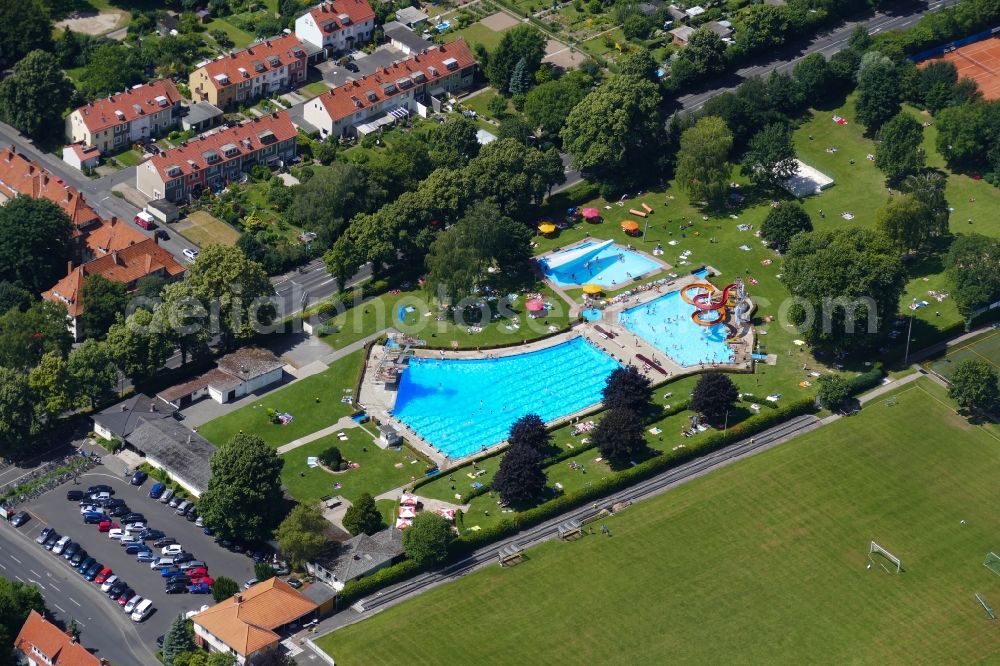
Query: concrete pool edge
{"points": [[378, 399]]}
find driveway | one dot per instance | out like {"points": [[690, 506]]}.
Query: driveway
{"points": [[102, 618]]}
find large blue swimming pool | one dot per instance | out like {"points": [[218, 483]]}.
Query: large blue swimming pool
{"points": [[666, 324], [460, 406], [596, 262]]}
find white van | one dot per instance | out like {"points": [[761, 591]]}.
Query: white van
{"points": [[162, 563], [142, 611], [132, 603]]}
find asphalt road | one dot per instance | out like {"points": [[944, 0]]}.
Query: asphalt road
{"points": [[548, 530], [827, 43], [104, 626]]}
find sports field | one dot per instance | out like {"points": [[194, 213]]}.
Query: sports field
{"points": [[761, 562], [985, 347], [979, 61], [203, 229]]}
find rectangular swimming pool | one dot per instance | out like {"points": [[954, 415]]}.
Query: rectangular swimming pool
{"points": [[461, 406], [596, 262]]}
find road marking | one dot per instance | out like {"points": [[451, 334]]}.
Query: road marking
{"points": [[74, 601], [15, 559], [81, 623], [3, 567], [54, 587], [35, 572], [19, 578], [61, 609], [36, 583]]}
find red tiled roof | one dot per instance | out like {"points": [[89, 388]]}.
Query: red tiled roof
{"points": [[278, 124], [253, 57], [82, 152], [125, 265], [112, 235], [19, 175], [51, 641], [327, 13], [347, 99], [133, 103]]}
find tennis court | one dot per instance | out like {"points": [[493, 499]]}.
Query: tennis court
{"points": [[980, 62], [986, 347]]}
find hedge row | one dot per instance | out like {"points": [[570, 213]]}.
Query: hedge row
{"points": [[362, 587], [866, 380], [628, 477]]}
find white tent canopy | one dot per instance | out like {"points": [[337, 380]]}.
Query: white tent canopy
{"points": [[806, 181]]}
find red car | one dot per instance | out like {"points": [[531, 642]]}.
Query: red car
{"points": [[208, 580], [197, 572], [102, 575], [106, 526]]}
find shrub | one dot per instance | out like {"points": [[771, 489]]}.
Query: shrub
{"points": [[331, 457]]}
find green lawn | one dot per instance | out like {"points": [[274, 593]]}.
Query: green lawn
{"points": [[240, 38], [477, 33], [314, 402], [480, 104], [128, 158], [378, 471], [383, 312], [763, 561], [985, 347], [313, 89]]}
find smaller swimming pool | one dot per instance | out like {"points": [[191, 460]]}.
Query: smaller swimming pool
{"points": [[442, 26], [591, 314], [596, 262]]}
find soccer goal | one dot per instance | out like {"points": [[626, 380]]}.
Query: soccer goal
{"points": [[992, 562], [875, 549]]}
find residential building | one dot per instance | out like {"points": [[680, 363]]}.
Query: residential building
{"points": [[41, 643], [111, 236], [411, 17], [336, 26], [681, 35], [126, 265], [81, 157], [724, 29], [404, 39], [394, 91], [358, 557], [19, 175], [167, 444], [215, 159], [252, 622], [118, 121], [118, 421], [238, 374], [163, 210], [259, 70], [201, 117]]}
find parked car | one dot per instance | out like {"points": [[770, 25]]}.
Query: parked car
{"points": [[139, 478], [208, 580], [294, 582], [161, 563], [125, 595], [119, 511], [190, 253], [93, 570], [197, 572], [101, 488], [116, 590], [172, 549], [145, 556], [70, 550], [237, 547], [183, 557], [148, 534], [132, 603], [136, 548], [85, 564], [58, 546], [167, 495], [183, 507], [95, 518], [157, 490], [192, 514], [193, 564], [113, 502], [142, 611], [136, 527], [130, 540], [200, 522], [106, 526], [20, 518], [107, 581], [250, 583], [165, 541], [52, 541], [174, 501], [199, 588], [100, 496], [78, 556], [177, 588], [116, 533], [74, 495], [134, 517], [43, 535], [102, 575]]}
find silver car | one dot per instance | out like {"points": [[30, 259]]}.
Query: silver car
{"points": [[166, 496]]}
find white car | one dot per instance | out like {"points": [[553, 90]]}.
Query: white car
{"points": [[116, 533], [129, 539], [190, 253], [135, 527], [132, 603], [60, 545], [173, 549], [106, 585], [86, 508]]}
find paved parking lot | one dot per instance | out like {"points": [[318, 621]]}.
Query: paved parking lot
{"points": [[54, 510]]}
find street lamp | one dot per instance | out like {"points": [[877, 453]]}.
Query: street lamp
{"points": [[909, 330]]}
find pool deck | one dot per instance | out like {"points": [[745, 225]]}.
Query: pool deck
{"points": [[379, 399]]}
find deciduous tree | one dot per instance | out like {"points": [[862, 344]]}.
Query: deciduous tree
{"points": [[974, 385], [520, 480], [26, 28], [244, 499], [619, 436], [530, 431], [18, 423], [139, 345], [26, 336], [93, 373], [103, 301], [899, 153], [300, 535], [973, 268], [783, 222], [17, 600], [363, 516], [329, 199], [703, 168], [34, 241], [51, 385], [521, 42], [454, 143], [627, 388], [426, 540], [879, 91], [112, 68], [770, 156], [223, 588], [714, 396], [906, 221], [833, 392]]}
